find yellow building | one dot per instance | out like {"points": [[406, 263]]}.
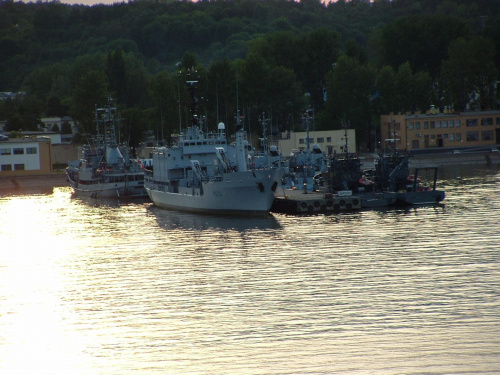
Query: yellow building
{"points": [[440, 129], [329, 141]]}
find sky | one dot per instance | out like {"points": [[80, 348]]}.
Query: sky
{"points": [[107, 2]]}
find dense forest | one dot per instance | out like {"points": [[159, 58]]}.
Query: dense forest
{"points": [[341, 63]]}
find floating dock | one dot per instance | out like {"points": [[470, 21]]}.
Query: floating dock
{"points": [[297, 202]]}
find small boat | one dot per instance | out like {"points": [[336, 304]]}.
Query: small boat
{"points": [[204, 173], [105, 169], [392, 174]]}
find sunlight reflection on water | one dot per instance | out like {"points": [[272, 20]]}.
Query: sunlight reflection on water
{"points": [[102, 287]]}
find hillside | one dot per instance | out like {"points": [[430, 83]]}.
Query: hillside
{"points": [[364, 58]]}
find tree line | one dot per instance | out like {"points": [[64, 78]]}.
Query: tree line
{"points": [[345, 62]]}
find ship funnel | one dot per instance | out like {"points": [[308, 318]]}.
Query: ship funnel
{"points": [[221, 130]]}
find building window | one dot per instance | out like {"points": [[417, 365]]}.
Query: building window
{"points": [[410, 126], [487, 135], [5, 151], [6, 167], [438, 124], [426, 125], [487, 121], [471, 122], [445, 135], [457, 123], [19, 167], [472, 136], [445, 124], [18, 151], [417, 125], [302, 141], [329, 139], [320, 140], [498, 120], [452, 137], [458, 136], [31, 150]]}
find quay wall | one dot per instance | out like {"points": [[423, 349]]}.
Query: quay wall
{"points": [[440, 160], [56, 179], [33, 183]]}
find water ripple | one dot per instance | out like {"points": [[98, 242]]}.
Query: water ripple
{"points": [[103, 287]]}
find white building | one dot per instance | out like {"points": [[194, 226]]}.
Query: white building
{"points": [[51, 122], [55, 138], [25, 156]]}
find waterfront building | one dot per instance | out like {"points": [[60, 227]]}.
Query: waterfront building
{"points": [[50, 127], [440, 129], [56, 123], [329, 141], [25, 156]]}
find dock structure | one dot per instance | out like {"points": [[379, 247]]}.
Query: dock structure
{"points": [[297, 202]]}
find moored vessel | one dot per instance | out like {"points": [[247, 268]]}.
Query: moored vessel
{"points": [[205, 173], [105, 169], [389, 184]]}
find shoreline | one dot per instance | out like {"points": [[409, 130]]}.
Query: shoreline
{"points": [[46, 182], [10, 184], [441, 160]]}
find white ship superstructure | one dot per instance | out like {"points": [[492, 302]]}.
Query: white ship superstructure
{"points": [[204, 173]]}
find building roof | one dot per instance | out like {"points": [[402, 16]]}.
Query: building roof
{"points": [[451, 114], [4, 140]]}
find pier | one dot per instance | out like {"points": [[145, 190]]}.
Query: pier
{"points": [[297, 202]]}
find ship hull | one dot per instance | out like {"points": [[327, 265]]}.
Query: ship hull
{"points": [[420, 197], [116, 191], [93, 189], [249, 193]]}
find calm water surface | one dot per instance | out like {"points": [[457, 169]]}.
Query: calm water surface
{"points": [[99, 287]]}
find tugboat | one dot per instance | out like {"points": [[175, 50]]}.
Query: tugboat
{"points": [[389, 184], [105, 169], [204, 173], [392, 174]]}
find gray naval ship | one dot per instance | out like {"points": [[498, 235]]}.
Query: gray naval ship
{"points": [[105, 168], [205, 173]]}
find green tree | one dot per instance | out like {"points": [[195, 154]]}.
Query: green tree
{"points": [[116, 74], [188, 61], [66, 128], [320, 49], [27, 115], [163, 116], [350, 89], [385, 91], [469, 74], [133, 126], [422, 91], [422, 40], [91, 91], [403, 88], [223, 81], [55, 107]]}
